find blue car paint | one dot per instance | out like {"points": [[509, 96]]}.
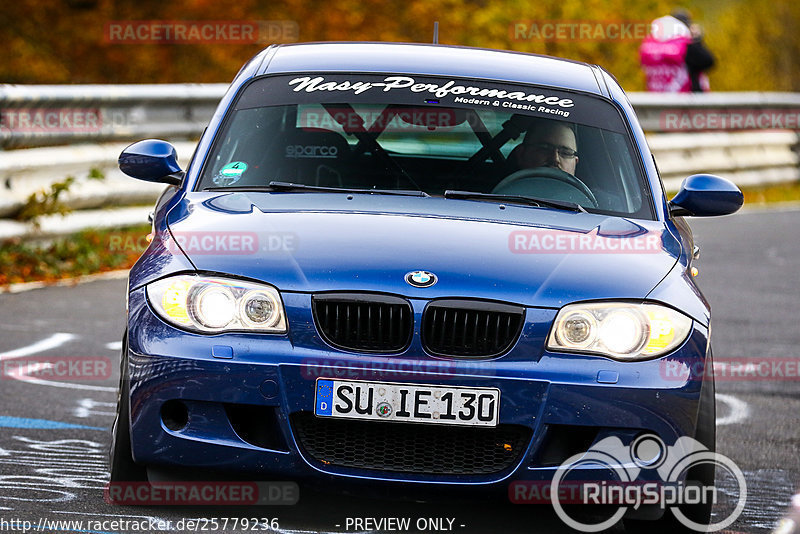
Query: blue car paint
{"points": [[406, 234], [564, 388], [167, 363], [706, 194], [150, 159]]}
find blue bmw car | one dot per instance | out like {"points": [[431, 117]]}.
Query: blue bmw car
{"points": [[414, 267]]}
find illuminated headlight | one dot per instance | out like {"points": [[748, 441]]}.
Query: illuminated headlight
{"points": [[214, 305], [624, 331]]}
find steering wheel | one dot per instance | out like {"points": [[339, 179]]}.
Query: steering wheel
{"points": [[551, 173]]}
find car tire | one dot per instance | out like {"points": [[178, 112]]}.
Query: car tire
{"points": [[121, 464], [705, 433]]}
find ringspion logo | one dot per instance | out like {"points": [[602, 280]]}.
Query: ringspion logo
{"points": [[648, 454]]}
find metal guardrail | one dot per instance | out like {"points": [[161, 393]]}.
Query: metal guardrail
{"points": [[43, 115], [96, 121], [748, 158], [668, 112], [26, 171]]}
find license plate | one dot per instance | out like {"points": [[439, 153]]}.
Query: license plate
{"points": [[414, 403]]}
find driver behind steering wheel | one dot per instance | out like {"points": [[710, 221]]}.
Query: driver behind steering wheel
{"points": [[545, 164], [548, 144]]}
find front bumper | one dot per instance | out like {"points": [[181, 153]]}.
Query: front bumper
{"points": [[240, 403]]}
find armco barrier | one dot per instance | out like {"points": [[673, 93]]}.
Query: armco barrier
{"points": [[45, 115], [96, 122], [667, 112], [181, 111], [25, 171], [748, 157]]}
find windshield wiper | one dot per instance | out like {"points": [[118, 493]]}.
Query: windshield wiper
{"points": [[530, 201], [289, 187]]}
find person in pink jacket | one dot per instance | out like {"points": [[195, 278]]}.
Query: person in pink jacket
{"points": [[674, 58]]}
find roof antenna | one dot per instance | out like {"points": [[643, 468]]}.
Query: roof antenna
{"points": [[436, 32]]}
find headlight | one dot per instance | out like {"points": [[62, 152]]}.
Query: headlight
{"points": [[213, 305], [623, 331]]}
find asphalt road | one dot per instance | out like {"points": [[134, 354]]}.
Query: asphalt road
{"points": [[53, 435]]}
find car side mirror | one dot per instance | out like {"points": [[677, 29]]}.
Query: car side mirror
{"points": [[706, 195], [152, 160]]}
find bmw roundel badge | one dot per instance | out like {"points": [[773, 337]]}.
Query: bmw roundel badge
{"points": [[421, 278]]}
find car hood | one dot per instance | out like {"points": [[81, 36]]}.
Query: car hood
{"points": [[335, 242]]}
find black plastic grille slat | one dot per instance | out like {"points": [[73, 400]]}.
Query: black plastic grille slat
{"points": [[364, 322], [471, 329], [390, 334], [338, 322], [497, 330], [410, 448], [357, 340], [380, 323], [442, 330], [476, 317]]}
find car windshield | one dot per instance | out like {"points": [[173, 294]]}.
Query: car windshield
{"points": [[415, 133]]}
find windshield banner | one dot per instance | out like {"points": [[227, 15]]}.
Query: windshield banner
{"points": [[425, 91]]}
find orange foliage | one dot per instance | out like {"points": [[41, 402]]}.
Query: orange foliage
{"points": [[51, 42]]}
